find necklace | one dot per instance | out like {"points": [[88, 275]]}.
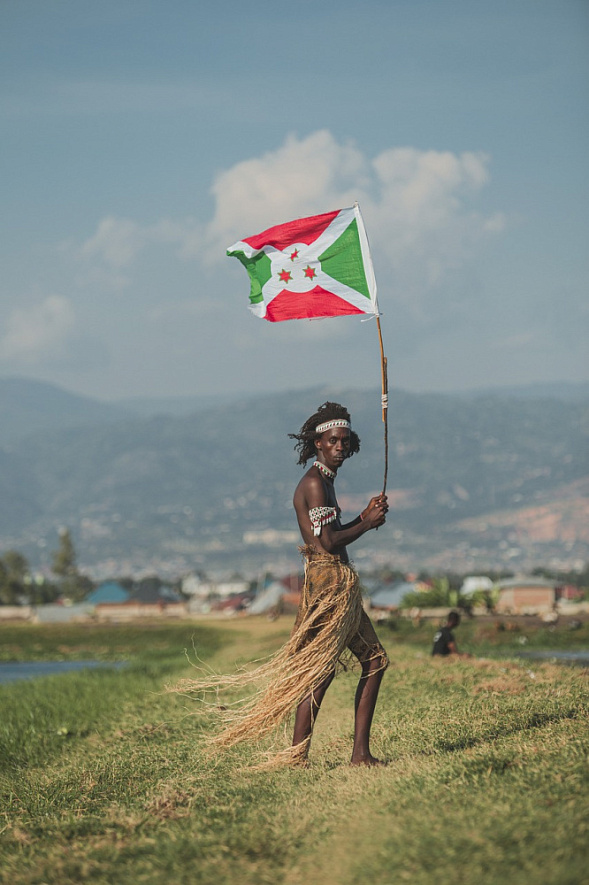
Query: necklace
{"points": [[330, 474]]}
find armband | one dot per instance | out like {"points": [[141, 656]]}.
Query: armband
{"points": [[321, 516]]}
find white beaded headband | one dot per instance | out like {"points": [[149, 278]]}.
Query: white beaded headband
{"points": [[337, 422]]}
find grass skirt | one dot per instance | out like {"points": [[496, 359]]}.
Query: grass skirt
{"points": [[328, 617]]}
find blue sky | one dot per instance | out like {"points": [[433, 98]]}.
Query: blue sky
{"points": [[141, 139]]}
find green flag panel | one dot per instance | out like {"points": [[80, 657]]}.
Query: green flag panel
{"points": [[343, 261]]}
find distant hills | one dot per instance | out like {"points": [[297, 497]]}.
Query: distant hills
{"points": [[491, 479], [28, 406]]}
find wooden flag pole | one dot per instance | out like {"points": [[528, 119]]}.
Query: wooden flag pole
{"points": [[385, 404]]}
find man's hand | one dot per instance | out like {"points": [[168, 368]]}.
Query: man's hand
{"points": [[376, 512]]}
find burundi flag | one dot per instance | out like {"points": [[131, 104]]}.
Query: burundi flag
{"points": [[311, 267]]}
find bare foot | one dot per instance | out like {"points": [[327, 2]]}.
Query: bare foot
{"points": [[369, 761], [300, 763], [299, 754]]}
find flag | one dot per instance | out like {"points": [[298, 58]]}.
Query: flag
{"points": [[312, 267]]}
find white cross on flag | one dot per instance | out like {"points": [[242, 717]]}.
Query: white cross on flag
{"points": [[310, 268]]}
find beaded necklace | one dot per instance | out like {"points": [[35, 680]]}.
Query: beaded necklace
{"points": [[330, 474]]}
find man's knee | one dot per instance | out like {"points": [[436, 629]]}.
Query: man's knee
{"points": [[376, 663], [383, 660]]}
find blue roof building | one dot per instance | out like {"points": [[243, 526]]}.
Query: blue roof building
{"points": [[391, 597], [110, 591]]}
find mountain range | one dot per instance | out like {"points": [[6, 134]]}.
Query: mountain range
{"points": [[492, 479]]}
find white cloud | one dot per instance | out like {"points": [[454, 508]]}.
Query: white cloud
{"points": [[419, 221], [117, 242], [417, 205], [32, 334], [419, 208], [303, 177]]}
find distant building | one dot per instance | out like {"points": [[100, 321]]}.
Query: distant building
{"points": [[152, 594], [130, 610], [279, 596], [147, 600], [198, 587], [569, 593], [473, 583], [270, 598], [232, 604], [230, 588], [270, 537], [390, 598], [109, 591], [525, 596], [293, 586]]}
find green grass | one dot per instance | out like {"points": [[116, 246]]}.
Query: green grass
{"points": [[39, 717], [496, 636], [100, 642], [105, 780]]}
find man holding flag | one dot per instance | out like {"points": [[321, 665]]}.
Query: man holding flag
{"points": [[313, 268]]}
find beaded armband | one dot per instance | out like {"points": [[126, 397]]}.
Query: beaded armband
{"points": [[321, 516]]}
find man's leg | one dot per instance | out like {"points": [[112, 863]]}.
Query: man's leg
{"points": [[307, 713], [366, 647], [366, 697]]}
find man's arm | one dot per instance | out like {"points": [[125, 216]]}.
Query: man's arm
{"points": [[333, 538], [376, 506]]}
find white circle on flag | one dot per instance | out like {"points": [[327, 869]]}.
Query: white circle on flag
{"points": [[292, 269]]}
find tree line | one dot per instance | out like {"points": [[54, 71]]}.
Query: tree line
{"points": [[18, 584]]}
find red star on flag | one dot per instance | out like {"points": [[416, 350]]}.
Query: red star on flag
{"points": [[294, 255], [310, 272], [285, 276]]}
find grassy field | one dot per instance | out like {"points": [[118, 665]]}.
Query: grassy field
{"points": [[103, 778]]}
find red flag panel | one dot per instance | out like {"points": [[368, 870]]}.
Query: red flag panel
{"points": [[302, 230], [317, 302]]}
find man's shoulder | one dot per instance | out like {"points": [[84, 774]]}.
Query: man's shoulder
{"points": [[309, 485], [311, 477]]}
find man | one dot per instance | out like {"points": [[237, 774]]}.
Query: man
{"points": [[444, 642], [330, 582], [330, 620]]}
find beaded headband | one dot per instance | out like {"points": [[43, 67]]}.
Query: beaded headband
{"points": [[337, 422]]}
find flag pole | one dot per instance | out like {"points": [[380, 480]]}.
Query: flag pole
{"points": [[371, 280], [385, 404]]}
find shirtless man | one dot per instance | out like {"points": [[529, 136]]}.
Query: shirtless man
{"points": [[444, 642], [327, 436]]}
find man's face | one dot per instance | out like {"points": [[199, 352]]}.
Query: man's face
{"points": [[333, 447]]}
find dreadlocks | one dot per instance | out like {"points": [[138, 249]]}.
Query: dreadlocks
{"points": [[305, 439]]}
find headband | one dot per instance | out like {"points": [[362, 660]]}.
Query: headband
{"points": [[337, 422]]}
